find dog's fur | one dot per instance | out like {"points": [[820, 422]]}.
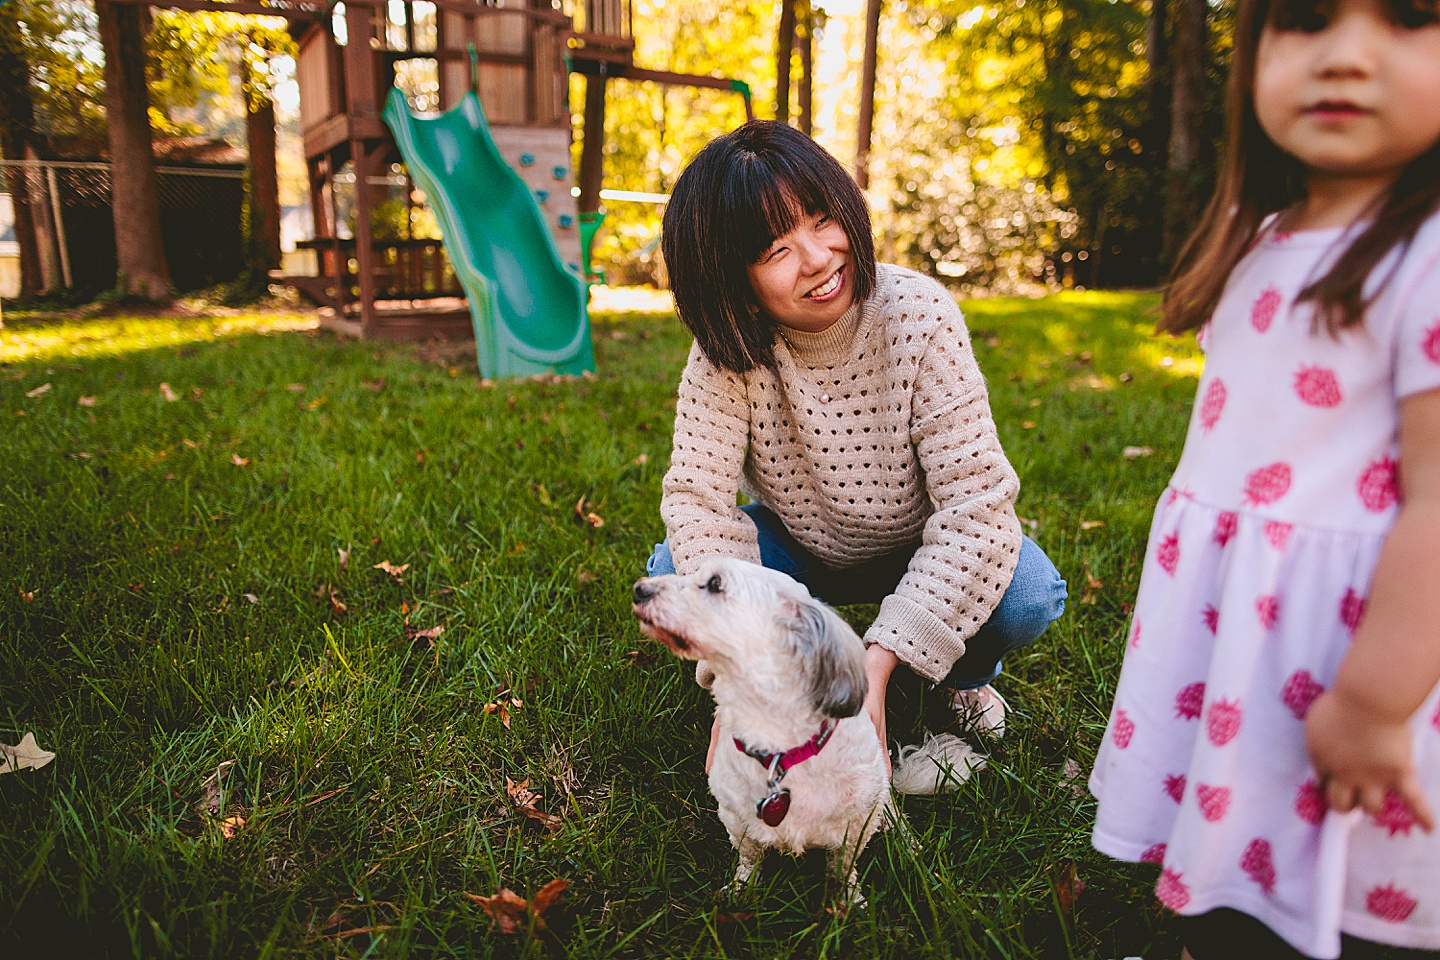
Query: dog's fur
{"points": [[784, 663]]}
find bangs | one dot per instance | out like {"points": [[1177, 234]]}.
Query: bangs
{"points": [[1312, 15], [767, 197]]}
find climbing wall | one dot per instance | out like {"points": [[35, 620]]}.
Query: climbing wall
{"points": [[541, 155]]}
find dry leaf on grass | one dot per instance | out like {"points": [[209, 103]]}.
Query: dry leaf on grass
{"points": [[344, 557], [1068, 887], [1091, 524], [86, 401], [230, 826], [295, 387], [512, 913], [1130, 453], [1073, 776], [251, 597], [213, 791], [26, 755], [525, 799], [427, 636], [391, 569], [586, 516], [39, 391], [337, 606], [28, 596], [167, 394], [502, 706], [239, 461]]}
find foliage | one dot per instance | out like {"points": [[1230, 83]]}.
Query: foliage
{"points": [[194, 580], [202, 64], [63, 49], [652, 131]]}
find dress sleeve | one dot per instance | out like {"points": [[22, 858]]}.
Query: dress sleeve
{"points": [[970, 545], [1417, 334], [712, 430]]}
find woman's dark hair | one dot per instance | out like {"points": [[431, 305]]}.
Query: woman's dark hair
{"points": [[1258, 179], [739, 193]]}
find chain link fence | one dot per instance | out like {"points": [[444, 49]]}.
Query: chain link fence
{"points": [[68, 204]]}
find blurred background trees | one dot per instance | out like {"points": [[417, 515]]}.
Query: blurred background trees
{"points": [[1007, 147]]}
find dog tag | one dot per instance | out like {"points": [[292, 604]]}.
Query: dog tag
{"points": [[772, 809]]}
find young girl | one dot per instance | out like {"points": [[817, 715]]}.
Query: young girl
{"points": [[1275, 739], [843, 397]]}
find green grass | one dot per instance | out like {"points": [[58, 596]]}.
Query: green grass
{"points": [[165, 607]]}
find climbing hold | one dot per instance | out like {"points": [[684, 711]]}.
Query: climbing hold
{"points": [[559, 172], [527, 159], [542, 195], [566, 220]]}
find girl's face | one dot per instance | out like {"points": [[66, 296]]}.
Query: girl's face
{"points": [[803, 280], [1349, 89]]}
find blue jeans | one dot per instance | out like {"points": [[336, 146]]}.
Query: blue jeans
{"points": [[1034, 600]]}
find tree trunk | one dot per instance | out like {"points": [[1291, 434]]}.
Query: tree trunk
{"points": [[805, 38], [17, 133], [139, 250], [1157, 85], [264, 184], [865, 127], [784, 46], [1184, 172]]}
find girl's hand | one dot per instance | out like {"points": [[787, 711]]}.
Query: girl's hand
{"points": [[1362, 758], [879, 664]]}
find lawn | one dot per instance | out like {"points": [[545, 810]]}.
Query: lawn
{"points": [[390, 602]]}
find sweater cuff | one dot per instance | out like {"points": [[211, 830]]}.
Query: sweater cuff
{"points": [[922, 640]]}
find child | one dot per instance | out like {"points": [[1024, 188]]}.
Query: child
{"points": [[843, 397], [1275, 739]]}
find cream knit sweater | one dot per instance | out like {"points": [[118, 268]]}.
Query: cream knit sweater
{"points": [[870, 436]]}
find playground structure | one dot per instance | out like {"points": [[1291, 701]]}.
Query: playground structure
{"points": [[501, 190]]}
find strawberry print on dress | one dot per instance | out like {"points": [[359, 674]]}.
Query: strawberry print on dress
{"points": [[1261, 555]]}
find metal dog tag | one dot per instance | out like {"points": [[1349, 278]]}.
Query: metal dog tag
{"points": [[772, 809]]}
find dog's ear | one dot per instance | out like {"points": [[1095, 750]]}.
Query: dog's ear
{"points": [[832, 657]]}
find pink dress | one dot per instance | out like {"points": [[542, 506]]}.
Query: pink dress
{"points": [[1256, 575]]}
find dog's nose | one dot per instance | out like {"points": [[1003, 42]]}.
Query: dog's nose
{"points": [[643, 590]]}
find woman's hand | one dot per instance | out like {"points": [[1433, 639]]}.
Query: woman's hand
{"points": [[879, 664], [1362, 757]]}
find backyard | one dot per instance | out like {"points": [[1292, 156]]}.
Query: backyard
{"points": [[332, 642]]}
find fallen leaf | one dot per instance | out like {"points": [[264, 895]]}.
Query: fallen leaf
{"points": [[1068, 887], [82, 455], [239, 461], [1091, 524], [507, 908], [86, 401], [374, 385], [251, 597], [231, 826], [583, 577], [641, 460], [502, 707], [581, 511], [39, 391], [28, 596], [344, 557], [295, 387], [512, 913], [391, 569], [26, 755], [1130, 453], [189, 443], [429, 635], [525, 801], [1028, 425], [1073, 776], [166, 393], [212, 791], [196, 393]]}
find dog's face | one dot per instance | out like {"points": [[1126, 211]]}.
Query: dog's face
{"points": [[743, 618]]}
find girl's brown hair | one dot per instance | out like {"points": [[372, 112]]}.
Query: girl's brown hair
{"points": [[743, 190], [1259, 179]]}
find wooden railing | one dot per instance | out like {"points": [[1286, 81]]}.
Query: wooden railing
{"points": [[404, 270]]}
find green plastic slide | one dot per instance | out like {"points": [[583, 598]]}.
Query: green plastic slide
{"points": [[527, 308]]}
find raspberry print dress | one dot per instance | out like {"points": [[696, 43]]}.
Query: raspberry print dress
{"points": [[1256, 576]]}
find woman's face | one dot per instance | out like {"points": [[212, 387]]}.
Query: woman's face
{"points": [[803, 280]]}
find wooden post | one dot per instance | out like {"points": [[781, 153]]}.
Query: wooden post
{"points": [[784, 45], [592, 150], [360, 91], [867, 94]]}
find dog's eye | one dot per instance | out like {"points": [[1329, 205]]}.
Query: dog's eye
{"points": [[713, 584]]}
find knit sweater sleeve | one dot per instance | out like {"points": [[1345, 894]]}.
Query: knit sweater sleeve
{"points": [[971, 543], [712, 430]]}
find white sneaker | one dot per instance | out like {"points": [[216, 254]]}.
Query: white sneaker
{"points": [[981, 709]]}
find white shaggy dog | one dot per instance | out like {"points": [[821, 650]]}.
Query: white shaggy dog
{"points": [[799, 764]]}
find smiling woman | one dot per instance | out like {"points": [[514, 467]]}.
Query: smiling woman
{"points": [[843, 397]]}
